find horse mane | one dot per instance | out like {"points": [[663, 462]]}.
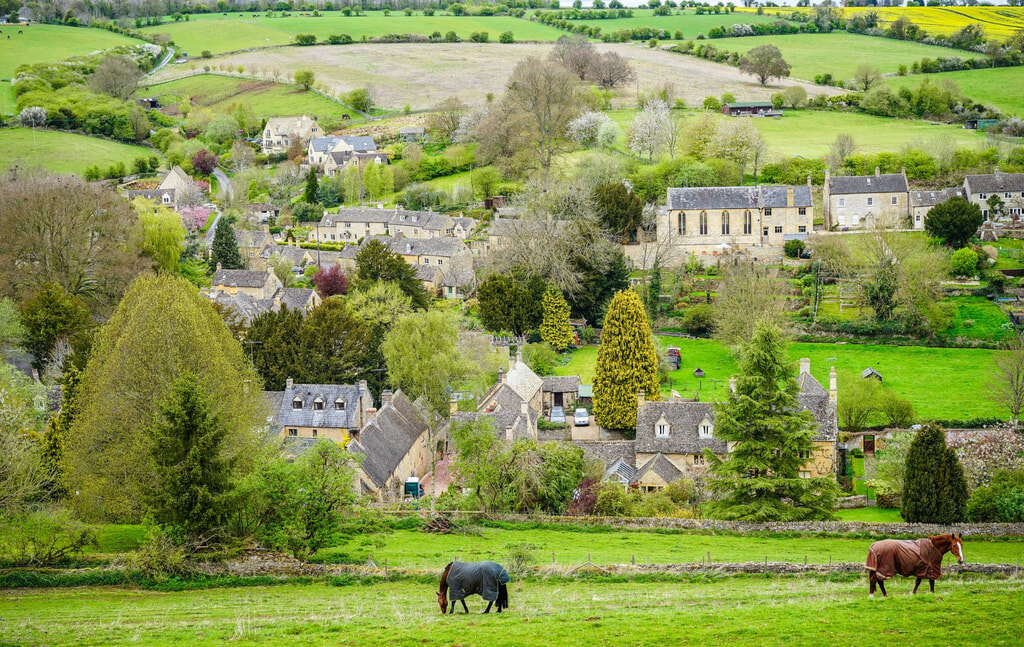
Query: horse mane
{"points": [[444, 578], [942, 543]]}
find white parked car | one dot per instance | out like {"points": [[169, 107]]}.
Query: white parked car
{"points": [[581, 417]]}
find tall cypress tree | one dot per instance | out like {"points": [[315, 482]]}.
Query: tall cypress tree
{"points": [[769, 435], [627, 364], [934, 490], [555, 328], [224, 249], [312, 193]]}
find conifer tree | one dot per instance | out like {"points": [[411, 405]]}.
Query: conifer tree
{"points": [[770, 437], [193, 469], [224, 249], [56, 436], [377, 262], [312, 193], [627, 364], [934, 489], [555, 328]]}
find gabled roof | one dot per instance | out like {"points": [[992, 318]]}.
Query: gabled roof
{"points": [[997, 182], [620, 469], [738, 197], [523, 381], [328, 417], [750, 104], [297, 298], [250, 238], [561, 383], [412, 130], [932, 198], [245, 306], [883, 183], [444, 246], [388, 438], [241, 278], [659, 465], [683, 419]]}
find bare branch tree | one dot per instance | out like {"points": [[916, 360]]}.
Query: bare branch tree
{"points": [[1007, 387]]}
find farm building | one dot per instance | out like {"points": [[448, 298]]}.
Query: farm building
{"points": [[751, 109]]}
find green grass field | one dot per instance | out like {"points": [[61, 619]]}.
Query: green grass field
{"points": [[43, 43], [8, 103], [219, 34], [870, 515], [267, 99], [978, 318], [688, 22], [963, 373], [999, 86], [845, 52], [738, 611], [62, 151]]}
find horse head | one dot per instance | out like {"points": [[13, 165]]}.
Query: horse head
{"points": [[442, 591], [957, 547]]}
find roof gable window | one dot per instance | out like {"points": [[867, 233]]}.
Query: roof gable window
{"points": [[318, 404], [705, 429], [339, 405], [661, 428], [297, 403]]}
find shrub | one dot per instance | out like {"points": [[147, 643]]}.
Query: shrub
{"points": [[794, 248], [305, 39], [1002, 500], [479, 37], [44, 537], [506, 37], [699, 319], [964, 263]]}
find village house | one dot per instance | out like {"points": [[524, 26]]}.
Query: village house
{"points": [[281, 132], [319, 148], [921, 203], [173, 188], [677, 432], [350, 225], [264, 212], [412, 134], [337, 161], [866, 200], [751, 109], [251, 245], [1009, 187], [512, 405], [394, 444], [310, 412], [444, 253], [250, 293], [711, 221]]}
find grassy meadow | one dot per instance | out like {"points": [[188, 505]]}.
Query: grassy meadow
{"points": [[43, 43], [942, 383], [64, 152], [219, 34], [739, 611], [803, 52], [1000, 86], [8, 102], [267, 99]]}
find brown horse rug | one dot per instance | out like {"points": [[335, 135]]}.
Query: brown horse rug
{"points": [[908, 557], [481, 578]]}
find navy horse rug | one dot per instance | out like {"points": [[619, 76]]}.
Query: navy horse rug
{"points": [[486, 579]]}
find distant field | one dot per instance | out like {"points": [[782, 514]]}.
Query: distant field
{"points": [[999, 22], [845, 52], [63, 152], [220, 34], [44, 43], [687, 22], [267, 99], [1000, 86], [8, 104], [963, 372]]}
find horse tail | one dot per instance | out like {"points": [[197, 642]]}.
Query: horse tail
{"points": [[502, 596]]}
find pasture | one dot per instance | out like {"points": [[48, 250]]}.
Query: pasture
{"points": [[1000, 86], [803, 52], [8, 102], [266, 98], [942, 383], [227, 33], [43, 43], [64, 152], [739, 611]]}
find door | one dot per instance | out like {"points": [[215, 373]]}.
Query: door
{"points": [[558, 398], [869, 445]]}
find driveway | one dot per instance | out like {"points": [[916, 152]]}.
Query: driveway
{"points": [[224, 182]]}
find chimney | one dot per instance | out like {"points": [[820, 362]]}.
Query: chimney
{"points": [[805, 365], [789, 196], [219, 268], [399, 207], [501, 376], [732, 384], [369, 415], [363, 388], [833, 394], [996, 171], [519, 354], [288, 383], [878, 172], [524, 408], [809, 184], [511, 362], [385, 397], [640, 398]]}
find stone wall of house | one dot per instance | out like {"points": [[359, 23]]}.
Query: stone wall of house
{"points": [[852, 502]]}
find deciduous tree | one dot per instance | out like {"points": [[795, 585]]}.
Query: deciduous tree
{"points": [[376, 262], [331, 281], [1008, 380], [116, 76], [52, 314], [627, 364], [163, 235], [765, 62]]}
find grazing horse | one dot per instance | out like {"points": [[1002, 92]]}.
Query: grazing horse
{"points": [[921, 559], [489, 580]]}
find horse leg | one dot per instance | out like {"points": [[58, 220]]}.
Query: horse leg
{"points": [[916, 584], [871, 581], [451, 608], [931, 585], [464, 605], [488, 609], [881, 585]]}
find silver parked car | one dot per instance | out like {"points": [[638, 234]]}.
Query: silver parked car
{"points": [[557, 415], [581, 417]]}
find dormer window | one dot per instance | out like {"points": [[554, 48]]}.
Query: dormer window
{"points": [[661, 428], [339, 405], [318, 404], [705, 429], [297, 403]]}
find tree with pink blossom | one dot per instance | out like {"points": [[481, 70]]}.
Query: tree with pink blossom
{"points": [[194, 218], [331, 281]]}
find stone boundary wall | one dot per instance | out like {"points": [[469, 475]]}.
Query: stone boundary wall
{"points": [[852, 502]]}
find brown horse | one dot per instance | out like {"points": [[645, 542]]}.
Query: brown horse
{"points": [[921, 559], [489, 580]]}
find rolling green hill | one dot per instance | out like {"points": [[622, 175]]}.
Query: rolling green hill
{"points": [[43, 43]]}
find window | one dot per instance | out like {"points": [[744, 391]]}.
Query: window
{"points": [[332, 236], [802, 211], [917, 217], [804, 455], [982, 196], [426, 261], [293, 432], [768, 211], [895, 200], [348, 225], [661, 430], [314, 433], [871, 201], [318, 405], [297, 403], [778, 230], [842, 202], [725, 223], [748, 226], [705, 430], [802, 229], [681, 225], [805, 474], [440, 261], [765, 231], [703, 223], [698, 459], [339, 405], [1006, 195]]}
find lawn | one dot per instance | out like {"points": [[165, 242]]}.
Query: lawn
{"points": [[978, 318], [44, 43], [266, 98], [845, 52], [220, 34], [942, 383], [738, 611], [689, 23], [870, 515], [1000, 87], [8, 103], [62, 151]]}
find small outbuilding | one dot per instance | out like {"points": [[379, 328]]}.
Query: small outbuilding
{"points": [[872, 373]]}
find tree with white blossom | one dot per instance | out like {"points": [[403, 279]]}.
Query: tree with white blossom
{"points": [[650, 130]]}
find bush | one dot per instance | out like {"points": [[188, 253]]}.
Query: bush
{"points": [[158, 559], [479, 37], [964, 263], [506, 37], [794, 248], [699, 319], [1002, 500], [44, 538], [613, 501], [305, 39]]}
